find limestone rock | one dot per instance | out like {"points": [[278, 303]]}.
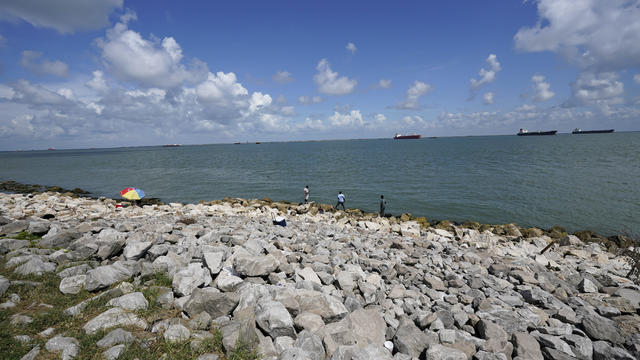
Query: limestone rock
{"points": [[212, 301], [213, 261], [255, 265], [437, 352], [136, 249], [113, 352], [525, 346], [274, 319], [72, 284], [35, 266], [104, 276], [114, 337], [132, 301], [111, 318], [68, 345], [186, 280], [176, 333]]}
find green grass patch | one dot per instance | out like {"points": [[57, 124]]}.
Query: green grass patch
{"points": [[25, 235], [161, 279]]}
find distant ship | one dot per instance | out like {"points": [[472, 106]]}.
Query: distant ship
{"points": [[402, 137], [580, 131], [171, 145], [51, 148], [525, 132]]}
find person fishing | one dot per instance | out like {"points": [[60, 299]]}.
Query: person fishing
{"points": [[306, 194], [383, 205], [341, 200]]}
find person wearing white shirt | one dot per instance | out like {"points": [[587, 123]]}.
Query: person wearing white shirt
{"points": [[341, 200]]}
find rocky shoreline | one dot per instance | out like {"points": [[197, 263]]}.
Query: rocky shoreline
{"points": [[81, 278]]}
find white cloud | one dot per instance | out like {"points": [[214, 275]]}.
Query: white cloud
{"points": [[597, 35], [306, 100], [311, 124], [414, 93], [282, 77], [488, 98], [636, 78], [526, 107], [352, 119], [6, 92], [383, 84], [541, 89], [97, 82], [380, 118], [601, 89], [66, 16], [24, 91], [329, 82], [259, 101], [147, 63], [287, 110], [30, 62], [486, 75], [351, 47], [414, 122], [220, 88]]}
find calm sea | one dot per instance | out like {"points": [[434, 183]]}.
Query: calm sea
{"points": [[576, 181]]}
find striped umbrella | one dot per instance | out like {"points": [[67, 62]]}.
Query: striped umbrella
{"points": [[132, 193]]}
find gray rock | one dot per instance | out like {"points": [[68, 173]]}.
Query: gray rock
{"points": [[105, 276], [74, 270], [176, 333], [208, 357], [68, 345], [186, 280], [4, 285], [136, 249], [213, 261], [410, 340], [200, 321], [581, 346], [601, 328], [132, 301], [553, 354], [35, 266], [114, 337], [438, 352], [60, 239], [497, 338], [372, 352], [226, 281], [294, 353], [274, 319], [255, 265], [20, 320], [14, 227], [308, 321], [212, 301], [112, 318], [32, 354], [282, 343], [39, 227], [110, 249], [241, 329], [633, 296], [311, 344], [553, 342], [525, 346], [72, 284], [587, 286], [483, 355], [603, 351], [114, 352], [7, 245], [327, 306]]}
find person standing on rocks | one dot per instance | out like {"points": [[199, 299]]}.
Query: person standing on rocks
{"points": [[383, 205], [340, 200], [306, 194]]}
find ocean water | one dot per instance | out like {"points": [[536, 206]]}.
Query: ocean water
{"points": [[575, 181]]}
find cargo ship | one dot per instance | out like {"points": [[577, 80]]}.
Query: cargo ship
{"points": [[525, 132], [580, 131], [403, 137]]}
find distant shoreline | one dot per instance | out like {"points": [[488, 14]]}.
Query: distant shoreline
{"points": [[612, 242], [260, 142]]}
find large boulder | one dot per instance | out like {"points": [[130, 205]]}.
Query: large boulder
{"points": [[311, 344], [72, 284], [410, 340], [274, 319], [601, 328], [526, 347], [112, 318], [438, 352], [136, 249], [328, 307], [211, 300], [67, 345], [35, 266], [104, 276], [131, 301], [255, 265], [186, 280]]}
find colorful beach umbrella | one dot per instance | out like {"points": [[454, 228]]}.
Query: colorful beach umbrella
{"points": [[132, 193]]}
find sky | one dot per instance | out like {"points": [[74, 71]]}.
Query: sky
{"points": [[108, 73]]}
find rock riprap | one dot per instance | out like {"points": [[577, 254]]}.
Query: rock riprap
{"points": [[331, 284]]}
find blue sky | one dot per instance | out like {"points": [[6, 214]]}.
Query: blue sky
{"points": [[108, 73]]}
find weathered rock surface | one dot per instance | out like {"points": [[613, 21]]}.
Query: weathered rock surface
{"points": [[112, 318]]}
